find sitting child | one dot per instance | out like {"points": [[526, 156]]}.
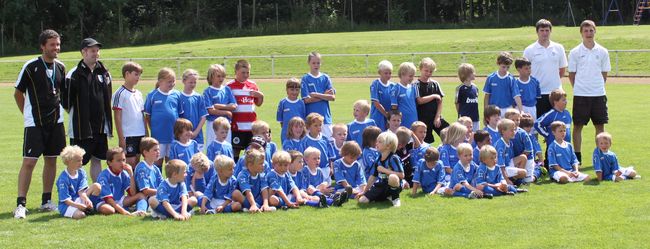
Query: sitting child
{"points": [[339, 136], [429, 174], [355, 128], [73, 187], [562, 161], [222, 195], [252, 183], [463, 176], [199, 175], [115, 180], [606, 162], [220, 145], [295, 133], [283, 191], [386, 173], [296, 170], [171, 198], [262, 129], [492, 116], [315, 182], [147, 175], [488, 177], [505, 154], [369, 154], [348, 172], [183, 147], [482, 138]]}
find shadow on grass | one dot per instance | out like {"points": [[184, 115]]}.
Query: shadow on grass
{"points": [[375, 205], [47, 217], [7, 216], [592, 182]]}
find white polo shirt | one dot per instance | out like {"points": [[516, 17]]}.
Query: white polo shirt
{"points": [[546, 64], [589, 64]]}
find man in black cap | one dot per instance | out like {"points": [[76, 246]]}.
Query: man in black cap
{"points": [[87, 98]]}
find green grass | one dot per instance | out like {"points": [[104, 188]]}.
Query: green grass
{"points": [[407, 41], [606, 215]]}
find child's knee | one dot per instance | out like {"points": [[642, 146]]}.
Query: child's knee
{"points": [[106, 209], [78, 215], [192, 201], [274, 201], [393, 180], [563, 180], [237, 196], [153, 202], [235, 206], [363, 199]]}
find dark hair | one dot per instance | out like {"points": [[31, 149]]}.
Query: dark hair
{"points": [[369, 136], [481, 135], [504, 58], [431, 154], [526, 121], [131, 67], [46, 35], [543, 23], [110, 154], [521, 62]]}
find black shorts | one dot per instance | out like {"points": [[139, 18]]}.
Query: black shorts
{"points": [[241, 139], [543, 105], [380, 191], [94, 147], [594, 108], [132, 146], [47, 140]]}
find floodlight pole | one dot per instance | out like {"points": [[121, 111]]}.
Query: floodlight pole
{"points": [[569, 13]]}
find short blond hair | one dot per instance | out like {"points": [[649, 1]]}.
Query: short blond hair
{"points": [[465, 120], [260, 127], [221, 122], [389, 140], [486, 152], [351, 148], [253, 157], [418, 124], [281, 157], [406, 68], [313, 54], [427, 62], [455, 132], [311, 151], [464, 148], [363, 105], [71, 152], [190, 73], [200, 162], [511, 112], [587, 23], [165, 73], [505, 124], [215, 69], [175, 166], [464, 71], [339, 126], [384, 65], [604, 135], [312, 118], [223, 162], [403, 135]]}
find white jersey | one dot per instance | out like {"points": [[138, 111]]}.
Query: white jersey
{"points": [[132, 106], [589, 64], [546, 63]]}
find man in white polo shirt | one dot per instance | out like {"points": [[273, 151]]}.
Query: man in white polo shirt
{"points": [[548, 63], [588, 67]]}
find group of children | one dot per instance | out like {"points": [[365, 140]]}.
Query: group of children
{"points": [[368, 159]]}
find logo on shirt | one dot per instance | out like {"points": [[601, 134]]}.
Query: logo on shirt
{"points": [[287, 109], [471, 101], [247, 99], [158, 102]]}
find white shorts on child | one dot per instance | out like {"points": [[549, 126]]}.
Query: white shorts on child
{"points": [[326, 131], [214, 203], [119, 202], [164, 150], [625, 171], [69, 212], [559, 174], [532, 110], [326, 174], [511, 170]]}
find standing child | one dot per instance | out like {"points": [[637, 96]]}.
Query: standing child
{"points": [[355, 128], [295, 133], [114, 181], [380, 94], [222, 195], [606, 162], [429, 100], [492, 115], [467, 94], [339, 135], [463, 177], [505, 155], [147, 175], [317, 91], [252, 183], [261, 129], [162, 107], [558, 113], [314, 138], [194, 108], [348, 172], [183, 147], [219, 100], [563, 164], [73, 187], [528, 87], [387, 173], [220, 145], [248, 96], [429, 174], [290, 107], [369, 154], [128, 108], [403, 95], [171, 198], [488, 178], [283, 191], [500, 87]]}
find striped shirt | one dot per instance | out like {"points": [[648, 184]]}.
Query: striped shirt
{"points": [[244, 115]]}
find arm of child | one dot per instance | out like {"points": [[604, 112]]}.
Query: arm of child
{"points": [[486, 100], [71, 203], [117, 114], [118, 209], [371, 179], [168, 207], [132, 190], [427, 99], [265, 200], [199, 127], [251, 200], [147, 122], [519, 106], [379, 107], [505, 175], [298, 196], [204, 203], [472, 188], [259, 97], [436, 119], [223, 205], [390, 172], [436, 189], [149, 191], [84, 197], [184, 212], [414, 189]]}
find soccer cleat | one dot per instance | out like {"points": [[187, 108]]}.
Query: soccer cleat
{"points": [[397, 203], [20, 212], [487, 196], [344, 197], [322, 202], [510, 193], [48, 207], [271, 209], [245, 210], [338, 200], [348, 190], [210, 211], [522, 190], [472, 195], [637, 177]]}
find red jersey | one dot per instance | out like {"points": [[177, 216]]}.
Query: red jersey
{"points": [[244, 115]]}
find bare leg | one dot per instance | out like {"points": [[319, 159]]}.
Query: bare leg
{"points": [[49, 174], [95, 168], [577, 138], [599, 128], [25, 176]]}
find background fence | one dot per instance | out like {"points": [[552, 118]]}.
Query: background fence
{"points": [[624, 63]]}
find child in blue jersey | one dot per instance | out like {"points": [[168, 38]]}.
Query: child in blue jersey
{"points": [[407, 150], [219, 100], [295, 133], [394, 120], [563, 164], [505, 154], [348, 172], [527, 122], [220, 145], [558, 113], [528, 87], [339, 136], [522, 147], [387, 173], [403, 94], [257, 143], [429, 174], [290, 107], [297, 171], [454, 136], [283, 191], [492, 115], [315, 182], [469, 124], [419, 146], [73, 187], [221, 194], [317, 91], [488, 177], [252, 183], [147, 175], [194, 108], [467, 94], [172, 200], [481, 138], [199, 174], [261, 129], [183, 147], [117, 179], [316, 139], [500, 87], [162, 107], [463, 177], [355, 128], [380, 95], [606, 163], [369, 153]]}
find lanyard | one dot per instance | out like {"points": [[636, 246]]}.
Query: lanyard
{"points": [[52, 78]]}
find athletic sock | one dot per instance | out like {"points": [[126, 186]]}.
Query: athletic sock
{"points": [[46, 197], [21, 201], [579, 156]]}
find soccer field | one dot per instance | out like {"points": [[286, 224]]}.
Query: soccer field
{"points": [[605, 215]]}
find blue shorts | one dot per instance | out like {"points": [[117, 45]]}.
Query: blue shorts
{"points": [[281, 203], [258, 200], [95, 200]]}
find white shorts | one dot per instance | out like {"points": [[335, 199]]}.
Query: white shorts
{"points": [[164, 150], [558, 174], [214, 203], [326, 131], [511, 170], [475, 126], [119, 202], [326, 173], [210, 136], [532, 110], [69, 212], [625, 171]]}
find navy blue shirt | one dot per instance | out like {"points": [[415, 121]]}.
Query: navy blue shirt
{"points": [[467, 100]]}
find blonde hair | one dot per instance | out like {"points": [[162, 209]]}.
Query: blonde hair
{"points": [[190, 73], [242, 64], [511, 112], [486, 152], [147, 143], [71, 152], [253, 157], [223, 162], [351, 148], [200, 162], [455, 132], [215, 69], [296, 121], [464, 148], [389, 140], [259, 127], [465, 70], [587, 23], [311, 151], [180, 126], [313, 54], [384, 65], [418, 124], [403, 135], [406, 68], [220, 122], [428, 63], [281, 157], [313, 117], [165, 73], [465, 120], [363, 105], [175, 166], [604, 135], [339, 126], [505, 124]]}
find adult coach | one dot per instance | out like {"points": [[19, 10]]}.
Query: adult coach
{"points": [[87, 98], [37, 95], [548, 63], [588, 68]]}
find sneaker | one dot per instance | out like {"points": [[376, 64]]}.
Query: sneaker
{"points": [[48, 207], [487, 196], [344, 197], [348, 190], [322, 202], [522, 190], [210, 211], [338, 200], [20, 212], [156, 215], [637, 177], [472, 195], [245, 210], [397, 202], [271, 209], [510, 193]]}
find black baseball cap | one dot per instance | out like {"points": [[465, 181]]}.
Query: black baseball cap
{"points": [[259, 141], [89, 42]]}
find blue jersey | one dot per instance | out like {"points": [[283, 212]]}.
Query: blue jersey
{"points": [[220, 190], [351, 173], [502, 90], [369, 156], [561, 155], [467, 100], [448, 155], [494, 134], [147, 176], [336, 150], [355, 130], [543, 125], [287, 110], [69, 186], [416, 154], [486, 175], [113, 185], [391, 162], [427, 177], [380, 92], [298, 180], [504, 152], [293, 144], [200, 184], [317, 84], [163, 110], [183, 152], [193, 110], [460, 174], [404, 98], [171, 193], [271, 148], [476, 155], [521, 144], [605, 163], [222, 95], [241, 165], [312, 179], [529, 91], [256, 184], [219, 148], [537, 148], [280, 182], [323, 145]]}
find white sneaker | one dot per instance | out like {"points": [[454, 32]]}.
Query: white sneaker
{"points": [[156, 215], [397, 203], [20, 212], [472, 195], [210, 211], [48, 207]]}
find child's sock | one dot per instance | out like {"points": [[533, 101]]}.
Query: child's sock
{"points": [[46, 197], [579, 156], [312, 203], [461, 194], [21, 201]]}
